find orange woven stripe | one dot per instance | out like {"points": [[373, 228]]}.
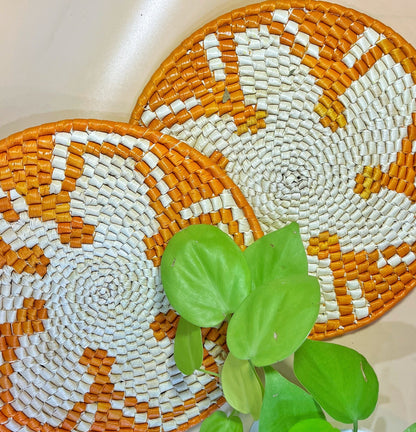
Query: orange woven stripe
{"points": [[382, 287], [400, 176], [102, 393], [331, 27], [184, 167]]}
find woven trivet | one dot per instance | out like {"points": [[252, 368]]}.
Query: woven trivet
{"points": [[85, 328], [313, 104]]}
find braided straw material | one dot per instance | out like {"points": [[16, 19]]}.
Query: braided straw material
{"points": [[85, 328], [313, 104]]}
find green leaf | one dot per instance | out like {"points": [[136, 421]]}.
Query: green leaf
{"points": [[411, 428], [219, 422], [188, 349], [313, 425], [274, 320], [285, 404], [278, 254], [241, 386], [339, 378], [204, 274]]}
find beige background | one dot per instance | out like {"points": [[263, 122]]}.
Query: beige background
{"points": [[77, 58]]}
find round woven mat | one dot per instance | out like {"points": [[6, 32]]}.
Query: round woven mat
{"points": [[285, 111], [313, 105], [85, 328]]}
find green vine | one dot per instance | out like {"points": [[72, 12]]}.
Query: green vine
{"points": [[271, 304]]}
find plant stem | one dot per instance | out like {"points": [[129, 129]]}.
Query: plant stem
{"points": [[209, 372], [355, 426]]}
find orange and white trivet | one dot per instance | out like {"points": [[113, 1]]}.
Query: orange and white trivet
{"points": [[86, 330], [313, 104], [282, 111]]}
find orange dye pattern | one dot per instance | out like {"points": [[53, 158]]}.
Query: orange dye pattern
{"points": [[400, 176], [165, 325], [189, 75], [102, 393], [190, 180], [334, 30], [30, 260], [26, 157], [382, 286], [28, 321]]}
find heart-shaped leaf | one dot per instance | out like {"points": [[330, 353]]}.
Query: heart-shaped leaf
{"points": [[313, 425], [285, 404], [204, 274], [411, 428], [339, 378], [218, 421], [276, 255], [188, 349], [274, 320], [241, 386]]}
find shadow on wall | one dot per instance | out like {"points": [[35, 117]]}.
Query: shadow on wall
{"points": [[384, 340], [380, 425]]}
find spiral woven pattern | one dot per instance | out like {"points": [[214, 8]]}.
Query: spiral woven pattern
{"points": [[85, 328], [313, 104], [281, 111]]}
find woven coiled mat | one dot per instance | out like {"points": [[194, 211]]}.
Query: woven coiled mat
{"points": [[282, 111], [313, 106]]}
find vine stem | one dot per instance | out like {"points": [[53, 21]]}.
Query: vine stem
{"points": [[209, 372], [355, 426]]}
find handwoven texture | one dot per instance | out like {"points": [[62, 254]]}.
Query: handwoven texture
{"points": [[85, 328], [285, 111], [313, 104]]}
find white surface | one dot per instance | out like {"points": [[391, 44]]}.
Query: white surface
{"points": [[76, 58]]}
